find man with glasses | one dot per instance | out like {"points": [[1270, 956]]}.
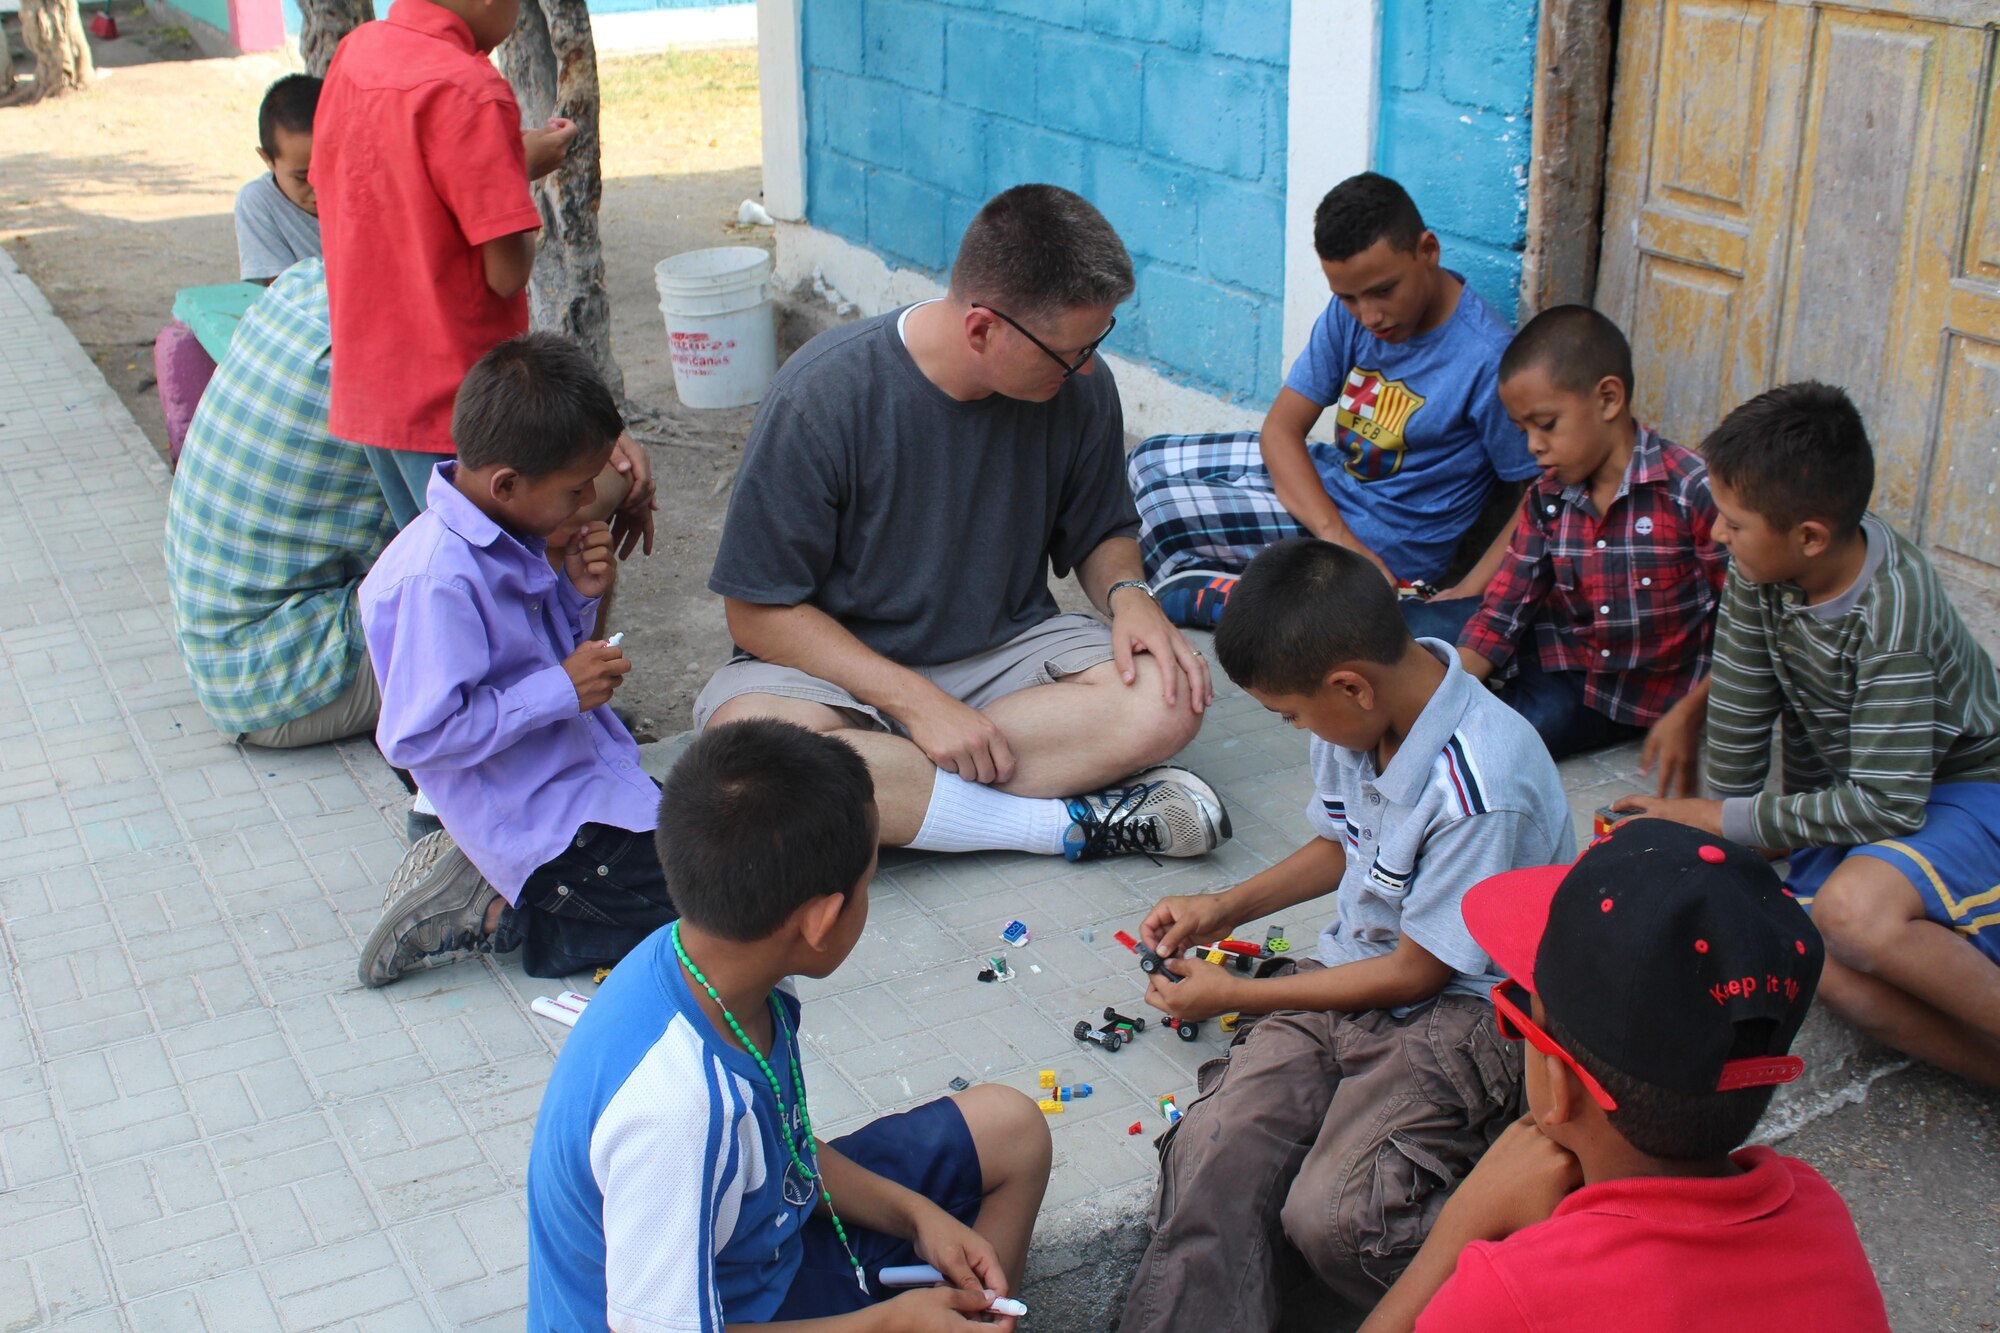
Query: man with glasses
{"points": [[909, 484]]}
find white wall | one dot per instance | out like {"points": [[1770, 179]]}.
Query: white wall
{"points": [[1334, 96]]}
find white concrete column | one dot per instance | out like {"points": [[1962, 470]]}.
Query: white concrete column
{"points": [[1334, 92], [782, 90]]}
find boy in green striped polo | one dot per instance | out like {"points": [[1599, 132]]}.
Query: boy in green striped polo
{"points": [[1835, 626]]}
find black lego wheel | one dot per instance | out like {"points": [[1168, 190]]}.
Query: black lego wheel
{"points": [[1082, 1031], [1187, 1031], [1113, 1040]]}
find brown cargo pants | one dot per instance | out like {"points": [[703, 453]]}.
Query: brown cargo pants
{"points": [[1340, 1133]]}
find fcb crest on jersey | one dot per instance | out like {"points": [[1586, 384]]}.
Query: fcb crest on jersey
{"points": [[1370, 421]]}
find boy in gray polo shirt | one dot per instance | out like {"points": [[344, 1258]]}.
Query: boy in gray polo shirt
{"points": [[277, 215], [1343, 1116]]}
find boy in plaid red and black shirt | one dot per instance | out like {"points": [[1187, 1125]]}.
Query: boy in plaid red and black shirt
{"points": [[1605, 602]]}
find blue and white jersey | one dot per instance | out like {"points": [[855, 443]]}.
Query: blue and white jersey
{"points": [[660, 1193], [1470, 793]]}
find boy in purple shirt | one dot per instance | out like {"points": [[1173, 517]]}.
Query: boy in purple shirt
{"points": [[494, 699]]}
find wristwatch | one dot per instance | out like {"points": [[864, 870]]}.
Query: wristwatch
{"points": [[1112, 591]]}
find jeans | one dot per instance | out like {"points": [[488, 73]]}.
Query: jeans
{"points": [[590, 906], [405, 477], [1552, 701]]}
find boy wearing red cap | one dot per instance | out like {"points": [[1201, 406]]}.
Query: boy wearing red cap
{"points": [[1659, 983]]}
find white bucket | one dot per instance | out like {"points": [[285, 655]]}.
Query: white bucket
{"points": [[721, 329]]}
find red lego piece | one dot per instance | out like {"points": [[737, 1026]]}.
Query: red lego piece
{"points": [[1138, 1127]]}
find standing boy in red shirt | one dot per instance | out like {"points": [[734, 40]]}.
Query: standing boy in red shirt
{"points": [[1658, 983], [422, 171]]}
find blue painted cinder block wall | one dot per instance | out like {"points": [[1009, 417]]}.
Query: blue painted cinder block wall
{"points": [[1457, 83], [1167, 114], [1170, 115]]}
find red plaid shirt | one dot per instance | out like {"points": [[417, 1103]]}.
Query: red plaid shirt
{"points": [[1628, 599]]}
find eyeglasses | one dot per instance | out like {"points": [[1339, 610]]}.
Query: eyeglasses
{"points": [[1070, 368], [1515, 1025]]}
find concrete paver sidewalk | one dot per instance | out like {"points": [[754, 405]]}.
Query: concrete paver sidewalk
{"points": [[206, 1123]]}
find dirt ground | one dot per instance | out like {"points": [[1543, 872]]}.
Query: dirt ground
{"points": [[115, 199]]}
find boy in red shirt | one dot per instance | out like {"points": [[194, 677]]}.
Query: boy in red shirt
{"points": [[422, 171], [1659, 983]]}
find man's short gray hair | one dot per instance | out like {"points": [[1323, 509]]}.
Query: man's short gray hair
{"points": [[1039, 251]]}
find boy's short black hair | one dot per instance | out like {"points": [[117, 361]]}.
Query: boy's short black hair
{"points": [[288, 104], [1677, 1126], [759, 817], [1576, 345], [535, 404], [1794, 453], [1040, 251], [1302, 608], [1362, 210]]}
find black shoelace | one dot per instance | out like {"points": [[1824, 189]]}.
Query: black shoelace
{"points": [[1120, 828]]}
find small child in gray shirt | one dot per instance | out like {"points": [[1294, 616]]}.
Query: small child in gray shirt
{"points": [[1363, 1081], [277, 217]]}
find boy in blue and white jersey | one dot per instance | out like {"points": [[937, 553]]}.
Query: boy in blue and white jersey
{"points": [[675, 1181]]}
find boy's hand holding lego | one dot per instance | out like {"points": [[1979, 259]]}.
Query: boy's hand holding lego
{"points": [[1188, 918], [546, 146], [596, 669], [1696, 814]]}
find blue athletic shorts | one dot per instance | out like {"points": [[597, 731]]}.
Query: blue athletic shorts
{"points": [[928, 1150], [1953, 861]]}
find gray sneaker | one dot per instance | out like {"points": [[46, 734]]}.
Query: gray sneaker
{"points": [[435, 909], [1164, 811]]}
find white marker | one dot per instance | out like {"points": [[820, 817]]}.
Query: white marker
{"points": [[923, 1275], [615, 639], [564, 1009]]}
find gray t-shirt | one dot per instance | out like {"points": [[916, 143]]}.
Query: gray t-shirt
{"points": [[1470, 793], [925, 526], [272, 232]]}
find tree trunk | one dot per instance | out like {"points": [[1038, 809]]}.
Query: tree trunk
{"points": [[325, 23], [6, 62], [552, 62], [52, 30]]}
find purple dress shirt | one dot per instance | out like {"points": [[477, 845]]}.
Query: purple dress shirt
{"points": [[468, 628]]}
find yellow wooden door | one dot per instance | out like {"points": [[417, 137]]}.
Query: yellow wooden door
{"points": [[1807, 191]]}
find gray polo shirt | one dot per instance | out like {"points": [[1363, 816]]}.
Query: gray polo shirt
{"points": [[1472, 792], [272, 232]]}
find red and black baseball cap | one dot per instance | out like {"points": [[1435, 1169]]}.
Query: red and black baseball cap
{"points": [[1655, 949]]}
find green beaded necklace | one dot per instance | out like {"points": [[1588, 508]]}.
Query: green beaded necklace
{"points": [[798, 1087]]}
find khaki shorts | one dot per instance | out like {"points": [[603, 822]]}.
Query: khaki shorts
{"points": [[352, 713], [1060, 646], [1342, 1134]]}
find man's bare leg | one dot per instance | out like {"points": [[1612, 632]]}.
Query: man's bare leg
{"points": [[1085, 732], [903, 776], [1902, 977], [1072, 737]]}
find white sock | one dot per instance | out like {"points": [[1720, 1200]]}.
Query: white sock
{"points": [[422, 806], [970, 817]]}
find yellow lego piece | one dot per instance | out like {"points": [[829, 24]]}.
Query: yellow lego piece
{"points": [[1216, 956], [1048, 1078], [1228, 1022], [1050, 1106]]}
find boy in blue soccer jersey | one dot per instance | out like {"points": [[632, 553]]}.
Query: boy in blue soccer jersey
{"points": [[675, 1181], [1406, 357]]}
